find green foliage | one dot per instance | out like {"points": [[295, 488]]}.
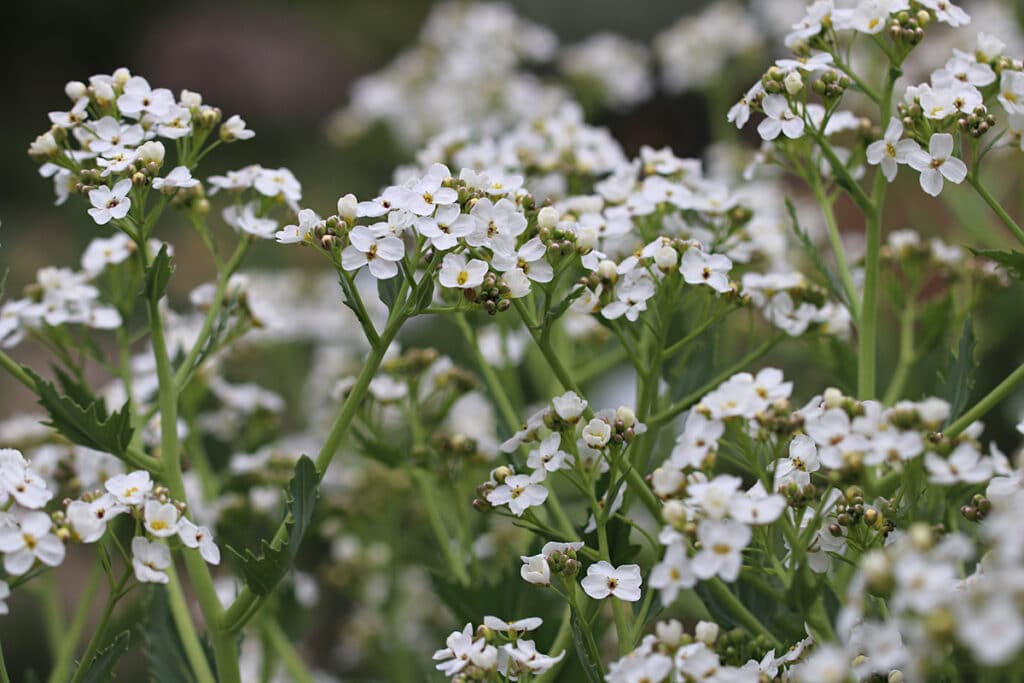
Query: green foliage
{"points": [[388, 290], [958, 377], [589, 658], [1013, 261], [158, 275], [263, 572], [168, 662], [82, 417], [101, 668]]}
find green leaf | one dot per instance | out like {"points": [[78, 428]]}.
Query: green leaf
{"points": [[424, 295], [1013, 261], [585, 650], [262, 572], [81, 417], [388, 290], [957, 379], [101, 668], [158, 275], [168, 662]]}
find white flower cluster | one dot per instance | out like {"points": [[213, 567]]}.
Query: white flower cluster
{"points": [[134, 493], [497, 647], [115, 121], [617, 66], [671, 654]]}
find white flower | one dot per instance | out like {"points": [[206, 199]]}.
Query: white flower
{"points": [[603, 580], [5, 592], [535, 569], [244, 219], [826, 664], [712, 270], [105, 251], [672, 573], [890, 150], [515, 626], [457, 273], [293, 234], [756, 506], [130, 489], [529, 259], [569, 406], [947, 12], [523, 653], [375, 246], [993, 632], [937, 163], [110, 203], [161, 518], [714, 497], [149, 559], [797, 468], [193, 536], [89, 520], [1011, 91], [139, 98], [549, 456], [965, 464], [179, 177], [28, 539], [721, 553], [446, 226], [493, 220], [780, 119], [234, 129], [520, 491], [597, 433], [461, 651], [273, 182]]}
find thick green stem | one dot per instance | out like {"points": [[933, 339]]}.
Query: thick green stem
{"points": [[4, 678], [66, 655], [18, 372], [186, 630], [1007, 220], [835, 238], [100, 631], [293, 663], [868, 324], [224, 646], [1004, 389]]}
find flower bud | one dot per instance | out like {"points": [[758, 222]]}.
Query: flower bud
{"points": [[666, 258], [75, 90], [706, 632], [794, 82], [347, 207], [669, 632], [607, 269], [121, 76], [674, 513], [548, 217], [626, 416], [45, 146], [151, 152], [191, 100], [833, 397]]}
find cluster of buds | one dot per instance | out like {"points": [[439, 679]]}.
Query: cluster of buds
{"points": [[493, 295], [977, 123], [978, 509], [851, 511], [907, 28], [831, 85]]}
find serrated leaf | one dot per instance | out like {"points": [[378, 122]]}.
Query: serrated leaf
{"points": [[957, 379], [81, 417], [263, 572], [388, 290], [101, 668], [585, 650], [1012, 261], [168, 662], [158, 275]]}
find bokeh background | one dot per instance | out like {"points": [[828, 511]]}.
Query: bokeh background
{"points": [[285, 67]]}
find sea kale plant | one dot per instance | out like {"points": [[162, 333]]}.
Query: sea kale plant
{"points": [[527, 400]]}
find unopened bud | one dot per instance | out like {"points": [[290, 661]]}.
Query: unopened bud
{"points": [[347, 208], [548, 217], [794, 82]]}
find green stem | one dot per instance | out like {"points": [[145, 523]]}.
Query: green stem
{"points": [[18, 372], [678, 346], [908, 316], [425, 488], [224, 646], [562, 640], [868, 323], [247, 604], [4, 678], [53, 619], [99, 632], [186, 630], [508, 413], [1007, 220], [187, 367], [838, 250], [66, 653], [692, 398], [293, 663], [727, 599], [623, 629], [1002, 390]]}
